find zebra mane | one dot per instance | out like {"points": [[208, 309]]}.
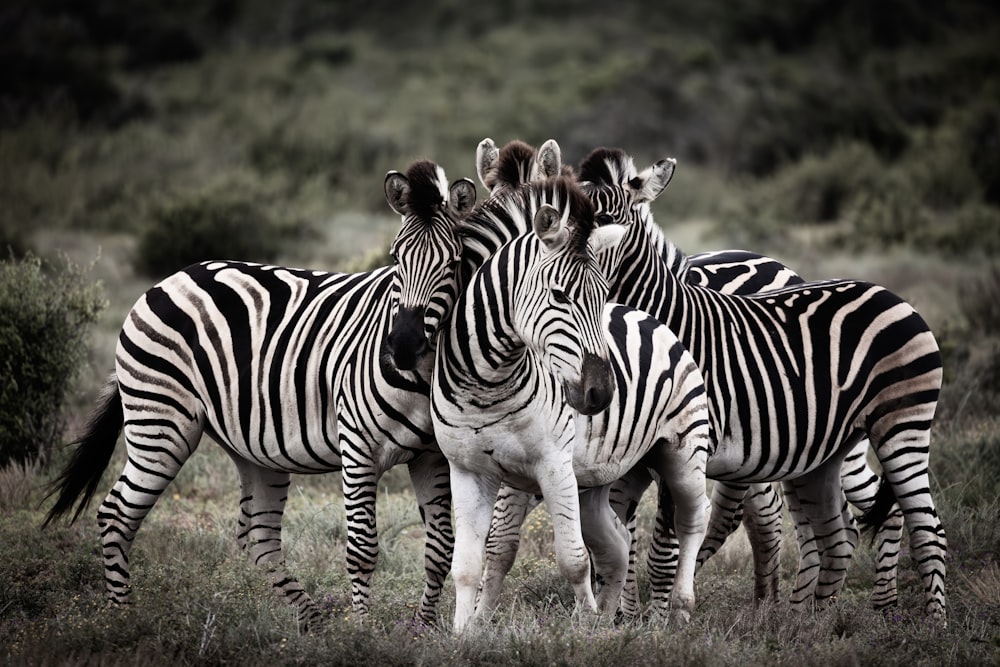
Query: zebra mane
{"points": [[513, 167], [509, 214], [607, 166], [428, 189]]}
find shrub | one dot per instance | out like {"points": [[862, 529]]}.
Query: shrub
{"points": [[44, 317], [205, 228], [818, 188]]}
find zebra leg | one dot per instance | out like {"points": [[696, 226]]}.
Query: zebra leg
{"points": [[360, 483], [727, 512], [157, 448], [682, 478], [807, 575], [262, 506], [509, 512], [903, 454], [822, 500], [664, 550], [762, 521], [860, 485], [430, 479], [473, 501], [559, 488], [608, 543], [624, 498]]}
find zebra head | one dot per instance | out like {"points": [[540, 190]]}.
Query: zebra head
{"points": [[559, 302], [426, 252], [620, 193], [517, 163]]}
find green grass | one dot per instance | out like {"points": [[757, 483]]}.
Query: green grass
{"points": [[197, 600]]}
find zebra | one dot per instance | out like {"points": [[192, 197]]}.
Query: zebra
{"points": [[517, 163], [796, 378], [288, 370], [536, 384], [730, 272]]}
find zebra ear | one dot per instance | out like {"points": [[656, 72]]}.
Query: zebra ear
{"points": [[461, 197], [548, 161], [605, 237], [549, 227], [649, 184], [397, 190], [487, 155]]}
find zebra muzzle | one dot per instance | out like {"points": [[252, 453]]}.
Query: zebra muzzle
{"points": [[595, 389], [407, 342]]}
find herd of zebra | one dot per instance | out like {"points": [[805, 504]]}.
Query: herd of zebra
{"points": [[548, 344]]}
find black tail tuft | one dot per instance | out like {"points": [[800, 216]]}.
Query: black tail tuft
{"points": [[871, 521], [79, 479]]}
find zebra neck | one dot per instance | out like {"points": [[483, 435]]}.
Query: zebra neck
{"points": [[646, 275], [483, 350]]}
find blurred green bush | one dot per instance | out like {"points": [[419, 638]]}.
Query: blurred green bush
{"points": [[202, 228], [45, 313]]}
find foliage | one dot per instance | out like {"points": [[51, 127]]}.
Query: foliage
{"points": [[45, 313], [203, 228]]}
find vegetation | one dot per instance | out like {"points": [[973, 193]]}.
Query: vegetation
{"points": [[44, 317], [852, 138]]}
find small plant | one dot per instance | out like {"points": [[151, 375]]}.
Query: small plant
{"points": [[44, 319], [205, 228]]}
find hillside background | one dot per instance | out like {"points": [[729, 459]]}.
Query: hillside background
{"points": [[850, 139]]}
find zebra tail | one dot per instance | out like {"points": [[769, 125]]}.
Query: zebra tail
{"points": [[874, 517], [79, 479]]}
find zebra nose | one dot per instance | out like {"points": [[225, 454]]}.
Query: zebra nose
{"points": [[406, 340], [596, 387]]}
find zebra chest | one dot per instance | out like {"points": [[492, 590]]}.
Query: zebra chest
{"points": [[506, 448]]}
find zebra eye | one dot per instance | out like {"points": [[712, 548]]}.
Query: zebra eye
{"points": [[559, 296], [604, 219]]}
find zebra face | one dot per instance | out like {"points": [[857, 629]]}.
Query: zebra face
{"points": [[559, 309], [426, 253]]}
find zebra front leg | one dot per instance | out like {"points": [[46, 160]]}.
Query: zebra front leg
{"points": [[608, 542], [431, 485], [473, 501], [509, 512], [624, 497], [360, 483], [262, 507], [682, 488], [559, 489]]}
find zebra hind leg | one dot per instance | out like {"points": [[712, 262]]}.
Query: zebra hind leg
{"points": [[762, 521], [903, 454], [153, 461], [502, 543], [727, 513], [861, 484], [432, 487], [822, 501], [262, 506]]}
